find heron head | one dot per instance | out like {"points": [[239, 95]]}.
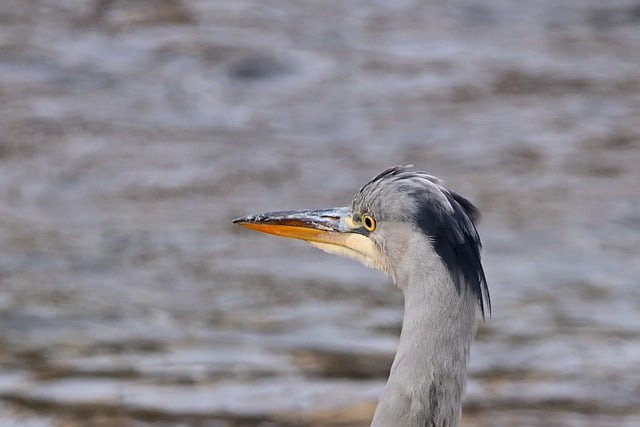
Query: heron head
{"points": [[393, 214]]}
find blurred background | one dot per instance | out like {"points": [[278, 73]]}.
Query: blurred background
{"points": [[132, 132]]}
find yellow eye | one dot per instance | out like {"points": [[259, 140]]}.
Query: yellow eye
{"points": [[368, 222]]}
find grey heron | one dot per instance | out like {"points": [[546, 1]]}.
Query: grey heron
{"points": [[423, 235]]}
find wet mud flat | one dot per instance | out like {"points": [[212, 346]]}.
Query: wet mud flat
{"points": [[131, 132]]}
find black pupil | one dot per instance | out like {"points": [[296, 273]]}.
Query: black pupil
{"points": [[367, 222]]}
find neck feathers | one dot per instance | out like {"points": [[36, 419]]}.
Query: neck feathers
{"points": [[429, 370]]}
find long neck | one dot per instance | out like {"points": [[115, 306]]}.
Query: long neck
{"points": [[428, 374]]}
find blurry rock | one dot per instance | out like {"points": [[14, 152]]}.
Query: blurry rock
{"points": [[358, 415], [522, 159], [618, 140], [344, 364], [131, 13], [603, 18], [258, 66], [522, 82]]}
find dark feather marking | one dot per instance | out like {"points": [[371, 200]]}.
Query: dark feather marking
{"points": [[392, 171], [433, 405], [455, 240], [472, 212]]}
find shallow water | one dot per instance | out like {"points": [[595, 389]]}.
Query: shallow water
{"points": [[130, 136]]}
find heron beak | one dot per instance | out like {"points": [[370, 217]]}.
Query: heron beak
{"points": [[332, 230], [319, 226]]}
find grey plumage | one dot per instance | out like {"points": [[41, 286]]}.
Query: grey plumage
{"points": [[409, 225], [449, 219]]}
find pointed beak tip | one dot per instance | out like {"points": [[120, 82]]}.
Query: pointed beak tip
{"points": [[245, 219]]}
